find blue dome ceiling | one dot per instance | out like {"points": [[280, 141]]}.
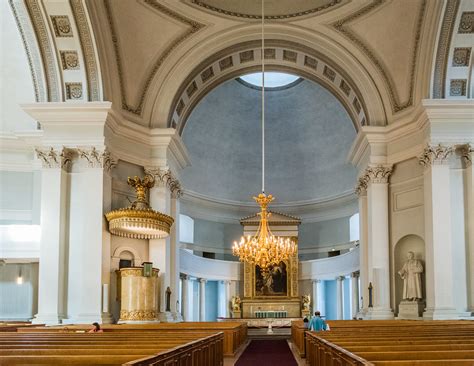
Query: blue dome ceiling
{"points": [[308, 134]]}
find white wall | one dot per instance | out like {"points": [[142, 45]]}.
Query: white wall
{"points": [[18, 302]]}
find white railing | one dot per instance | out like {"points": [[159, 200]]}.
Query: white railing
{"points": [[212, 269], [330, 268]]}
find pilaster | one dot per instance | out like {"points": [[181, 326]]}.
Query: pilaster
{"points": [[202, 299], [361, 190], [340, 297], [355, 293]]}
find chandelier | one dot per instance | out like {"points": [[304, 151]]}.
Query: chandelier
{"points": [[139, 221], [264, 249]]}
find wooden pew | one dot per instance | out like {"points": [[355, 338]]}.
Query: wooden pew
{"points": [[392, 343]]}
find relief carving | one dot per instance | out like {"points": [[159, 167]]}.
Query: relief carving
{"points": [[435, 155], [53, 158]]}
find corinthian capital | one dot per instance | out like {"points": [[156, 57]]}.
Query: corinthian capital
{"points": [[361, 187], [435, 154], [378, 173], [97, 158], [166, 178], [54, 158], [465, 152]]}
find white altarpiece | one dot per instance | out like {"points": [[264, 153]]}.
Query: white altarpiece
{"points": [[276, 291]]}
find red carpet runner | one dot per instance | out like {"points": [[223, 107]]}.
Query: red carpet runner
{"points": [[267, 353]]}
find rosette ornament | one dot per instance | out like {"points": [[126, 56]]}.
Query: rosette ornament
{"points": [[139, 221]]}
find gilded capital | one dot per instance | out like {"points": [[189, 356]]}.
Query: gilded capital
{"points": [[378, 173], [435, 154], [54, 158]]}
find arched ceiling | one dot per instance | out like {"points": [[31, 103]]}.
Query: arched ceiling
{"points": [[308, 135]]}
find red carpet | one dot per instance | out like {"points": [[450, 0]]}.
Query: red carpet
{"points": [[267, 353]]}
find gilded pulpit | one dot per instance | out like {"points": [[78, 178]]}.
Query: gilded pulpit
{"points": [[272, 293]]}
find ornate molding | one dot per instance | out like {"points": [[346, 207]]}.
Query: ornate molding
{"points": [[138, 315], [437, 154], [87, 46], [53, 158], [378, 174], [31, 48], [442, 53], [203, 4], [47, 53], [397, 104], [167, 179], [193, 28], [97, 158]]}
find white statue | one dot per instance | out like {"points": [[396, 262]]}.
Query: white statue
{"points": [[411, 275]]}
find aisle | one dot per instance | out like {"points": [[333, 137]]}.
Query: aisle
{"points": [[267, 353]]}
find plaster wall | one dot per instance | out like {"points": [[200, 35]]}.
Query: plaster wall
{"points": [[18, 302], [324, 233]]}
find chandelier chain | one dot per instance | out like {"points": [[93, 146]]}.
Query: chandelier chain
{"points": [[263, 96]]}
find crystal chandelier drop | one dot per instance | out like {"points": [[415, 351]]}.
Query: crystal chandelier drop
{"points": [[264, 249]]}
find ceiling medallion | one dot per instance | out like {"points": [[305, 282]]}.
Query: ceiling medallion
{"points": [[264, 249], [139, 221]]}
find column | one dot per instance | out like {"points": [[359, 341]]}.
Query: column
{"points": [[468, 156], [227, 298], [340, 297], [355, 293], [438, 239], [52, 268], [164, 253], [378, 240], [361, 191], [185, 297], [89, 253], [202, 299]]}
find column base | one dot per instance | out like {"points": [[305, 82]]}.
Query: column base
{"points": [[170, 317], [379, 314], [107, 318], [47, 319], [445, 314]]}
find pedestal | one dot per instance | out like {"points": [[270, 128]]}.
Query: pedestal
{"points": [[305, 313], [170, 317], [411, 309], [236, 314]]}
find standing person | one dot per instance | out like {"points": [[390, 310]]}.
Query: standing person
{"points": [[317, 323]]}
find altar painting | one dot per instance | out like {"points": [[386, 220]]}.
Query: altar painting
{"points": [[273, 282]]}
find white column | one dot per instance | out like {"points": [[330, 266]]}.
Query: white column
{"points": [[227, 298], [378, 240], [174, 252], [202, 299], [438, 239], [361, 190], [185, 297], [340, 297], [355, 294], [52, 266], [468, 156]]}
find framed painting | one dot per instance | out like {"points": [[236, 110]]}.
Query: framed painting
{"points": [[273, 282]]}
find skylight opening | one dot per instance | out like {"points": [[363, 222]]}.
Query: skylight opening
{"points": [[272, 79]]}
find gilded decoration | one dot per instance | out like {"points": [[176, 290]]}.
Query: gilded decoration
{"points": [[466, 25], [437, 154], [69, 60], [342, 26], [193, 27], [138, 315]]}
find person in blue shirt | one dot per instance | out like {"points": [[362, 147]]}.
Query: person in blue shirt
{"points": [[317, 323]]}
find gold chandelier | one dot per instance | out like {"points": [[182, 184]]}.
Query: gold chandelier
{"points": [[139, 221], [264, 249]]}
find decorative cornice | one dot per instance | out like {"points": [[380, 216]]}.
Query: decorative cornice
{"points": [[274, 17], [193, 28], [438, 154], [397, 104], [97, 158], [88, 50], [442, 53], [378, 174], [167, 179], [54, 159]]}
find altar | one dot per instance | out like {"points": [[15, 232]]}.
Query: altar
{"points": [[272, 294]]}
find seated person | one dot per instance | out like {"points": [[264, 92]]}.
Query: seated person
{"points": [[96, 328], [306, 323], [317, 323]]}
